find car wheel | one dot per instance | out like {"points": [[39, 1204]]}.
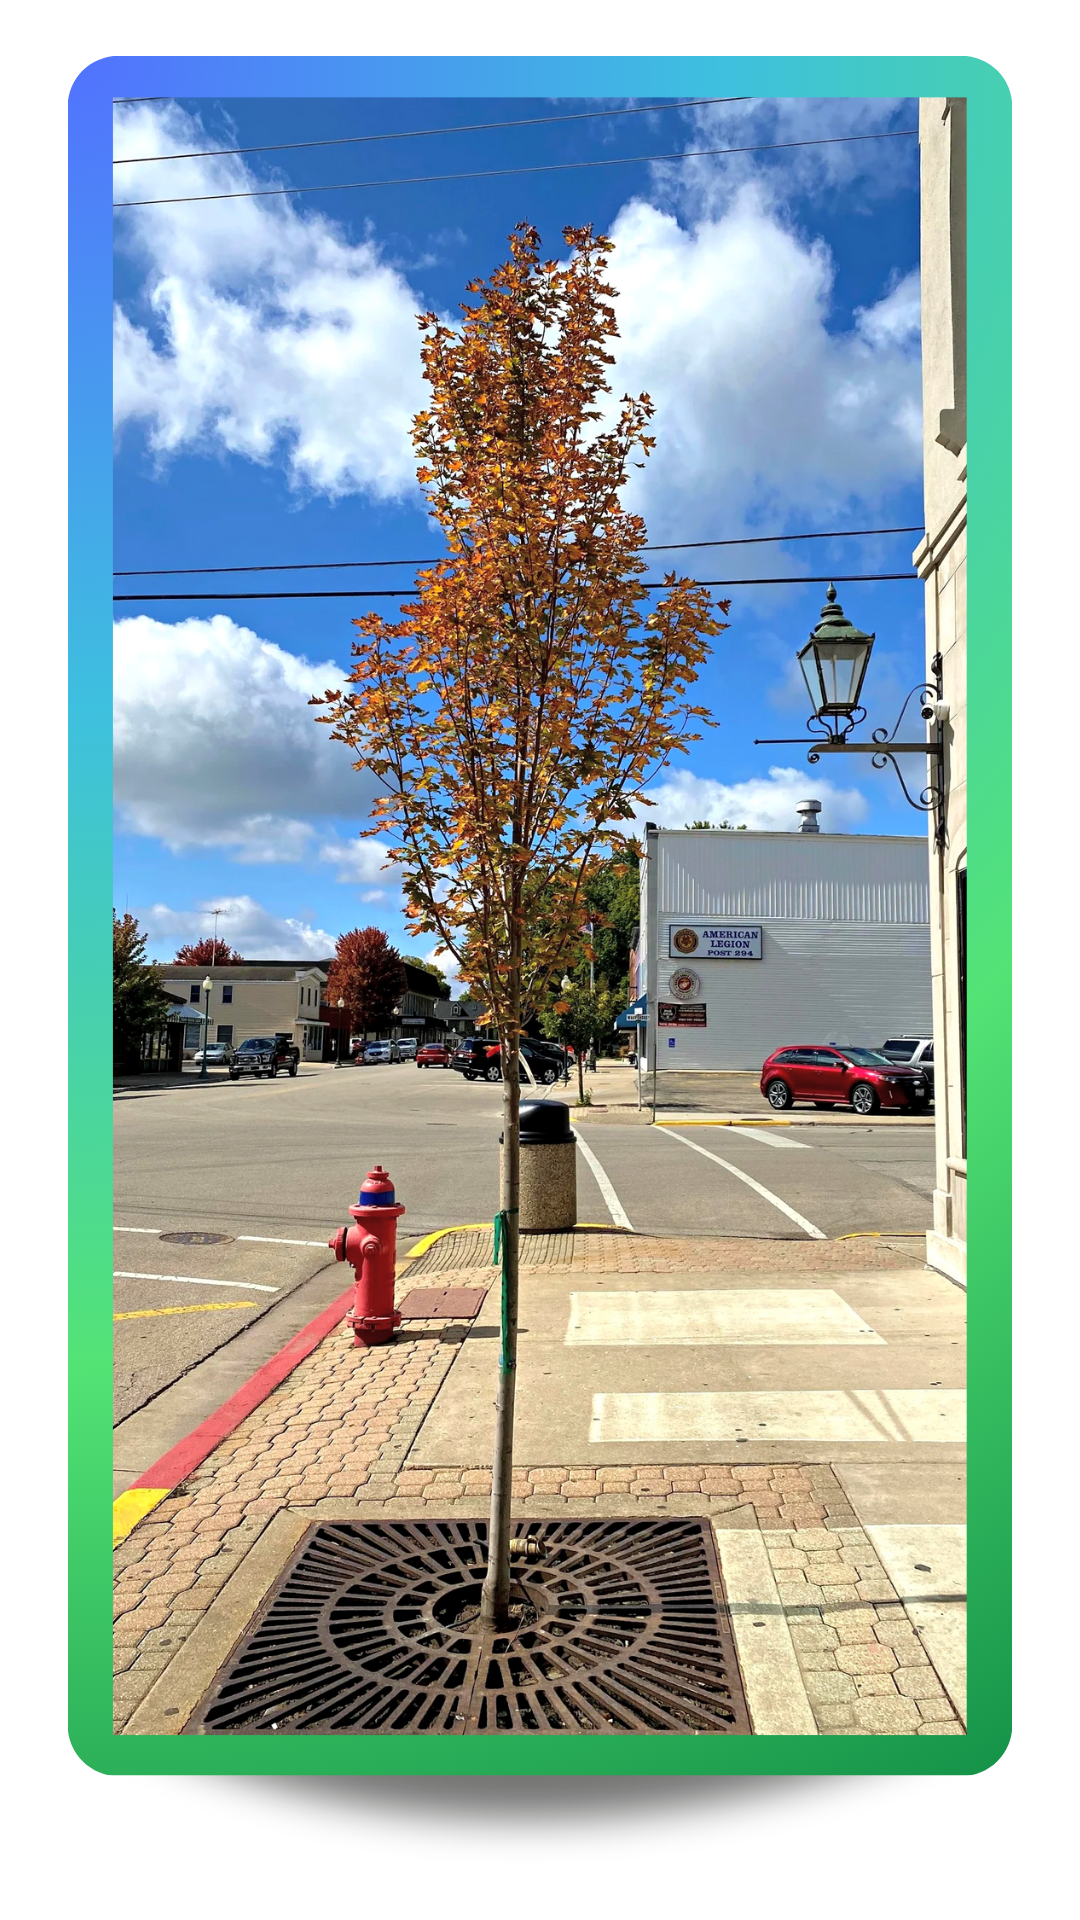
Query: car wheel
{"points": [[234, 1073], [292, 1071], [548, 1076], [273, 1073], [778, 1095], [493, 1073], [864, 1099]]}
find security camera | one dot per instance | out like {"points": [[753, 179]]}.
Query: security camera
{"points": [[936, 710]]}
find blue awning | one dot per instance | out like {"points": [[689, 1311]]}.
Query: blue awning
{"points": [[632, 1016]]}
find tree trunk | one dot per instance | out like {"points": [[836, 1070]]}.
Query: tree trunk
{"points": [[495, 1602]]}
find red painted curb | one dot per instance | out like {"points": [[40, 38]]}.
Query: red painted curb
{"points": [[188, 1454]]}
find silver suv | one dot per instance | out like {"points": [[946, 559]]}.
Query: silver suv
{"points": [[914, 1052]]}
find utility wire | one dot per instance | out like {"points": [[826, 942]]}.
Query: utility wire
{"points": [[663, 546], [426, 133], [499, 173], [404, 593]]}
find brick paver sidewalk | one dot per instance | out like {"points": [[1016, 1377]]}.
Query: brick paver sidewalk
{"points": [[333, 1442]]}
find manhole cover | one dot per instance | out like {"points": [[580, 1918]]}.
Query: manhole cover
{"points": [[620, 1627], [196, 1239]]}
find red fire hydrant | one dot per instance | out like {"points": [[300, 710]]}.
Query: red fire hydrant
{"points": [[370, 1246]]}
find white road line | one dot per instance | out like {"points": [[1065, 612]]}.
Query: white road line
{"points": [[747, 1317], [900, 1415], [611, 1199], [772, 1139], [773, 1199], [185, 1280], [262, 1239]]}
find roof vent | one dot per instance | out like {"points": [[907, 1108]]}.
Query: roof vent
{"points": [[809, 810]]}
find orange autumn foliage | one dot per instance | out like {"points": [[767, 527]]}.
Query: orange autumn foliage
{"points": [[514, 711]]}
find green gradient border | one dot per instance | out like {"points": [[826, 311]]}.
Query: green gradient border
{"points": [[989, 816]]}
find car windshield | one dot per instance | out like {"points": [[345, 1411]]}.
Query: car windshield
{"points": [[255, 1046], [866, 1057]]}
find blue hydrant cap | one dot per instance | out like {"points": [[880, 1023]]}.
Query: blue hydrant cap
{"points": [[377, 1190]]}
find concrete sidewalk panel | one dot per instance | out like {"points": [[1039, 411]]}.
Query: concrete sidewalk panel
{"points": [[773, 1683]]}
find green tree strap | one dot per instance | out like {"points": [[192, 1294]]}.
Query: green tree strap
{"points": [[501, 1256]]}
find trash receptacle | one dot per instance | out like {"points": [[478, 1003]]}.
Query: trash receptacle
{"points": [[548, 1201]]}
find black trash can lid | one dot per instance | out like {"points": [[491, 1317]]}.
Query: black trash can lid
{"points": [[544, 1123]]}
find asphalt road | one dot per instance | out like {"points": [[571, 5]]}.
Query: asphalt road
{"points": [[268, 1170]]}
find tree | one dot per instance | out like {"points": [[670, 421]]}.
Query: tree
{"points": [[613, 897], [512, 713], [366, 972], [209, 952], [440, 979], [139, 999], [720, 826], [579, 1017]]}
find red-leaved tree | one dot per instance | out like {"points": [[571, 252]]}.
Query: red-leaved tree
{"points": [[209, 952], [366, 972]]}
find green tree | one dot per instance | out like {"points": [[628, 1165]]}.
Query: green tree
{"points": [[440, 979], [139, 998], [580, 1017]]}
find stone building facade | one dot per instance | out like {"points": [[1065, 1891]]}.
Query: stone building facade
{"points": [[941, 561]]}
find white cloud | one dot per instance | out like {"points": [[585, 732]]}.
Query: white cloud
{"points": [[766, 803], [215, 745], [358, 861], [267, 333], [762, 413], [866, 170], [244, 923]]}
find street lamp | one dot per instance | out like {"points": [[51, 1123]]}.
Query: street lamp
{"points": [[206, 986], [339, 1062], [567, 985], [834, 662]]}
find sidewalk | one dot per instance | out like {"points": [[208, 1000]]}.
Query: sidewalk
{"points": [[716, 1098], [841, 1550]]}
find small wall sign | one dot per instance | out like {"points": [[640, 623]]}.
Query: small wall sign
{"points": [[714, 942], [670, 1014]]}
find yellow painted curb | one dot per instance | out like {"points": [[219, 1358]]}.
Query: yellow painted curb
{"points": [[478, 1226], [204, 1306], [133, 1506]]}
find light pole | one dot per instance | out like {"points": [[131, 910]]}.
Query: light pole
{"points": [[339, 1062], [206, 986], [567, 986], [834, 662]]}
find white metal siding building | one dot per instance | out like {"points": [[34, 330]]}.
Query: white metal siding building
{"points": [[841, 923]]}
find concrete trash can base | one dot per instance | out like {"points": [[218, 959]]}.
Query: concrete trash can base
{"points": [[548, 1201]]}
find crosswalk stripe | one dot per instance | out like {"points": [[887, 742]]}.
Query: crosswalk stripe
{"points": [[773, 1198]]}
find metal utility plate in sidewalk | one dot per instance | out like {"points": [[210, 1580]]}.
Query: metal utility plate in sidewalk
{"points": [[619, 1626]]}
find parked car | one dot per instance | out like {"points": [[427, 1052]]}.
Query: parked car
{"points": [[912, 1052], [433, 1055], [379, 1053], [406, 1049], [265, 1055], [482, 1060], [219, 1053], [836, 1076]]}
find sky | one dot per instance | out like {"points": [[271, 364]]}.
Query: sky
{"points": [[266, 372]]}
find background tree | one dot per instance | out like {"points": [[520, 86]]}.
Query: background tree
{"points": [[139, 998], [366, 972], [720, 826], [514, 711], [209, 952], [581, 1018], [613, 898], [440, 979]]}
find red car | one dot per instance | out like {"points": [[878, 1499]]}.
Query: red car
{"points": [[834, 1076], [433, 1055]]}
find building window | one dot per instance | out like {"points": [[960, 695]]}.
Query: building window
{"points": [[224, 1033], [226, 997], [194, 993]]}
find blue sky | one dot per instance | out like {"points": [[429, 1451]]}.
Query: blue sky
{"points": [[267, 368]]}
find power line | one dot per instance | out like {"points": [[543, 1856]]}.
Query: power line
{"points": [[426, 133], [403, 593], [662, 546], [499, 173]]}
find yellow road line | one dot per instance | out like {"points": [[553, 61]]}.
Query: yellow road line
{"points": [[204, 1306], [133, 1506]]}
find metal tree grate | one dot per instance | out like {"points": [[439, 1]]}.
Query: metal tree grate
{"points": [[620, 1626]]}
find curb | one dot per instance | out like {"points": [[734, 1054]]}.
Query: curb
{"points": [[159, 1480]]}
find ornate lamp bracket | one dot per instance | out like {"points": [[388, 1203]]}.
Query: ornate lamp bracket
{"points": [[832, 735]]}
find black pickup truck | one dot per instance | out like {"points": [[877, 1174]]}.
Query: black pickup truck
{"points": [[265, 1055]]}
